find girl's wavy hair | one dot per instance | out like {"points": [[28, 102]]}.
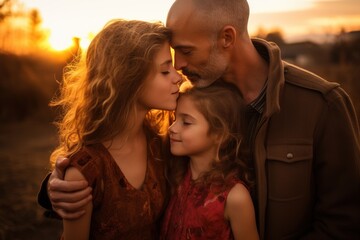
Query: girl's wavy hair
{"points": [[223, 108], [98, 94]]}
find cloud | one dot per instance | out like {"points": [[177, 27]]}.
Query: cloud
{"points": [[336, 7], [322, 17]]}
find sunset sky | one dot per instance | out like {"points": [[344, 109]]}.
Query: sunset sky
{"points": [[296, 18]]}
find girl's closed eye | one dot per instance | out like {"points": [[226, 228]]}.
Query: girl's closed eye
{"points": [[186, 123], [186, 120]]}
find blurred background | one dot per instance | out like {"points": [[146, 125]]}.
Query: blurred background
{"points": [[38, 38]]}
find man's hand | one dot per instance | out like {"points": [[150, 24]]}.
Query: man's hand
{"points": [[68, 198]]}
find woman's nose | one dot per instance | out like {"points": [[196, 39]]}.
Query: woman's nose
{"points": [[178, 83], [179, 78]]}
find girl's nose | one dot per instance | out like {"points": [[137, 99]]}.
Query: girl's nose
{"points": [[172, 129]]}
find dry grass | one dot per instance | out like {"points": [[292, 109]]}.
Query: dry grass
{"points": [[24, 152], [27, 138]]}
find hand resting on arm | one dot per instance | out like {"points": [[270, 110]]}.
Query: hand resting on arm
{"points": [[68, 198]]}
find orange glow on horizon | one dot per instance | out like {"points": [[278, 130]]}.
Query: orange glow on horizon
{"points": [[66, 19], [60, 42]]}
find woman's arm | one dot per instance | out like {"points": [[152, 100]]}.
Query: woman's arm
{"points": [[64, 199], [77, 229], [239, 210]]}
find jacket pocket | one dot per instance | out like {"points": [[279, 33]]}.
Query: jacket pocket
{"points": [[289, 171]]}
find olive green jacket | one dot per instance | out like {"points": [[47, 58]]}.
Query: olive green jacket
{"points": [[307, 156]]}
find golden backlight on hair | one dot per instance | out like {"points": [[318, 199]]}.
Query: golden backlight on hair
{"points": [[99, 92]]}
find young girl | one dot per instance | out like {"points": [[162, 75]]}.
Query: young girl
{"points": [[110, 133], [211, 198]]}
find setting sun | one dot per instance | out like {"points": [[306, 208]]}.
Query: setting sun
{"points": [[60, 41], [67, 19]]}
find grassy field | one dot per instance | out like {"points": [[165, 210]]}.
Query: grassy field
{"points": [[27, 138], [24, 152]]}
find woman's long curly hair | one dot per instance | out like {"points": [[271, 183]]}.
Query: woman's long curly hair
{"points": [[223, 108], [99, 93]]}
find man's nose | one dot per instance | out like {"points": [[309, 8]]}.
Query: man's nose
{"points": [[180, 62]]}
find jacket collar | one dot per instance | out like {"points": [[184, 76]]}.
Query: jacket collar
{"points": [[271, 53]]}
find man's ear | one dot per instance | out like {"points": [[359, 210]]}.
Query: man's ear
{"points": [[228, 36]]}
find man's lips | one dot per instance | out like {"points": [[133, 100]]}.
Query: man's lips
{"points": [[190, 75]]}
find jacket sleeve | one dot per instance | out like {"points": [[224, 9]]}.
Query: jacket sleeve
{"points": [[44, 201], [43, 198], [337, 171]]}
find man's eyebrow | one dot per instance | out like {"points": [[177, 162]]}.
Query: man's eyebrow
{"points": [[179, 46]]}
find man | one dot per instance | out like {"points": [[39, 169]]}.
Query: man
{"points": [[302, 131]]}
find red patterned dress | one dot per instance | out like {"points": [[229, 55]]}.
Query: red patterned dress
{"points": [[121, 211], [194, 212]]}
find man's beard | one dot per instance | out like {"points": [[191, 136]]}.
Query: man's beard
{"points": [[212, 71]]}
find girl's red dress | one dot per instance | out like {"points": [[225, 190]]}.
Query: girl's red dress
{"points": [[195, 212]]}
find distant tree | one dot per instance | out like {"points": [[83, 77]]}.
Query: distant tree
{"points": [[36, 34], [9, 10], [260, 33], [5, 9], [276, 36], [346, 49], [35, 18], [20, 28]]}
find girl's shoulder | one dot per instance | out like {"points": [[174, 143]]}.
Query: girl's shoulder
{"points": [[238, 193], [238, 199], [240, 212]]}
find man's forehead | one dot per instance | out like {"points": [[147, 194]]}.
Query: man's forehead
{"points": [[184, 37], [181, 33], [185, 24], [179, 42], [180, 13]]}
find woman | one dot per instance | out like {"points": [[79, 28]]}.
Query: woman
{"points": [[110, 133]]}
